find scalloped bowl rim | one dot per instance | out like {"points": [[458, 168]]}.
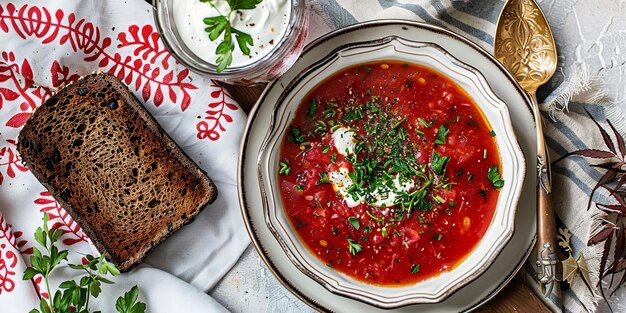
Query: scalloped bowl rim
{"points": [[500, 230]]}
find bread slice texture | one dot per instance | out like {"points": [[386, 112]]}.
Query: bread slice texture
{"points": [[109, 164]]}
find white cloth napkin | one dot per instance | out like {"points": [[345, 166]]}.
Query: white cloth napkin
{"points": [[44, 44]]}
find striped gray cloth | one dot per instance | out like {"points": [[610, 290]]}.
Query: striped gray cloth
{"points": [[591, 75]]}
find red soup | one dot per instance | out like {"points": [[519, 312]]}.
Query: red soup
{"points": [[389, 173]]}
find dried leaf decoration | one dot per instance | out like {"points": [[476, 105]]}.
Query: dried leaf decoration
{"points": [[570, 269], [571, 266], [611, 232]]}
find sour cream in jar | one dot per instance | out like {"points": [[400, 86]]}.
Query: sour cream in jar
{"points": [[266, 24], [278, 29]]}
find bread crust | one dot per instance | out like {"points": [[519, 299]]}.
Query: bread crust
{"points": [[111, 166]]}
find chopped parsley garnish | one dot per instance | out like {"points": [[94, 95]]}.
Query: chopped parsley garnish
{"points": [[470, 177], [320, 127], [300, 187], [295, 136], [377, 219], [437, 237], [367, 229], [383, 231], [285, 168], [452, 204], [438, 163], [494, 177], [335, 230], [323, 179], [439, 199], [492, 133], [310, 112], [423, 122], [415, 268], [333, 157], [355, 222], [325, 149], [354, 247], [442, 132], [483, 193]]}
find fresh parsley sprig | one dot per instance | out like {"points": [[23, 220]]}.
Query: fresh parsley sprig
{"points": [[72, 296], [221, 24]]}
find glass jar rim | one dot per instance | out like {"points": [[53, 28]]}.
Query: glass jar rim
{"points": [[163, 15]]}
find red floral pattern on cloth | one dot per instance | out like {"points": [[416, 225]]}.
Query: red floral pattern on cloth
{"points": [[60, 219], [134, 54], [137, 69], [8, 257]]}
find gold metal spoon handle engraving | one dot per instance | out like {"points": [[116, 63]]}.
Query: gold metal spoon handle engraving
{"points": [[525, 46]]}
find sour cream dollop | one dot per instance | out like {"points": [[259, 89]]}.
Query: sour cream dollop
{"points": [[344, 142], [266, 24]]}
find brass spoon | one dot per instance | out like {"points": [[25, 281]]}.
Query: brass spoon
{"points": [[525, 46]]}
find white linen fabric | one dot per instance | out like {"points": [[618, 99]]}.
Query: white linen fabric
{"points": [[45, 44]]}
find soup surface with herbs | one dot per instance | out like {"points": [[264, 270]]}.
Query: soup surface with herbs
{"points": [[389, 173]]}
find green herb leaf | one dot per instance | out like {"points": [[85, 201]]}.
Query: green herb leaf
{"points": [[442, 132], [284, 168], [300, 187], [354, 247], [415, 268], [128, 302], [40, 237], [377, 219], [243, 41], [310, 112], [218, 25], [492, 133], [438, 163], [323, 179], [295, 136], [423, 122], [355, 222], [243, 4], [215, 26], [494, 177]]}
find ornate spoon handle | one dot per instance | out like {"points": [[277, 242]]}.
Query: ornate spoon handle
{"points": [[546, 224]]}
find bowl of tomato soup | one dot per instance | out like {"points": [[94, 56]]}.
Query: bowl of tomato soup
{"points": [[391, 172]]}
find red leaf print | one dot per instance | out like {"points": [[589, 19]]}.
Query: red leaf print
{"points": [[216, 115], [227, 118], [27, 72], [168, 77], [145, 93], [186, 101], [60, 219], [9, 94], [172, 95], [18, 120], [158, 98], [231, 106], [30, 21]]}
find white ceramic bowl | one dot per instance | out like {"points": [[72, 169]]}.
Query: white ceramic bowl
{"points": [[393, 48]]}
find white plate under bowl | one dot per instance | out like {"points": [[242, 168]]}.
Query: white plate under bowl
{"points": [[393, 49], [505, 264]]}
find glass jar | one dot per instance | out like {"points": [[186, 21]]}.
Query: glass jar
{"points": [[267, 67]]}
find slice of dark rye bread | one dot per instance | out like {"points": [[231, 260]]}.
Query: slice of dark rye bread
{"points": [[113, 168]]}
